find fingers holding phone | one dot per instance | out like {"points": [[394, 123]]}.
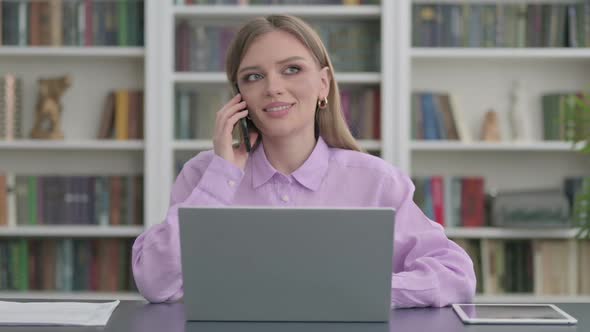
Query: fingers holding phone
{"points": [[227, 117]]}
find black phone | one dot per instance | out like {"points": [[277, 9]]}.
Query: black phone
{"points": [[244, 131]]}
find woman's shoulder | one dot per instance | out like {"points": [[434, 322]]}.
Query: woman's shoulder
{"points": [[365, 162]]}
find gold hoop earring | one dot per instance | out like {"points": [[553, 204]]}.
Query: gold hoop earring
{"points": [[322, 104]]}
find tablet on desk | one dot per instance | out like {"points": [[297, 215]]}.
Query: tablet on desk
{"points": [[512, 314]]}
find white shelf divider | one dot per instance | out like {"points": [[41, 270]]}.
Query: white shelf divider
{"points": [[218, 77], [313, 11], [499, 53], [510, 233], [72, 51], [530, 298], [204, 144], [447, 145], [30, 144], [77, 295], [71, 231]]}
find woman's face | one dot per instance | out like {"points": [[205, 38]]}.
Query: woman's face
{"points": [[281, 84]]}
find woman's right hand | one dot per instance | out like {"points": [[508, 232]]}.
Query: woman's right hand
{"points": [[225, 121]]}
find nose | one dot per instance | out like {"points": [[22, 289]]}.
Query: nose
{"points": [[274, 85]]}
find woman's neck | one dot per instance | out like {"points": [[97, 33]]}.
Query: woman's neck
{"points": [[288, 154]]}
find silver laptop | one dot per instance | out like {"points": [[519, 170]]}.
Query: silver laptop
{"points": [[287, 264]]}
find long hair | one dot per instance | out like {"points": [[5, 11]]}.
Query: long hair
{"points": [[329, 122]]}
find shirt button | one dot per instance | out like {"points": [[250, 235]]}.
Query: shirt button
{"points": [[285, 198], [231, 183]]}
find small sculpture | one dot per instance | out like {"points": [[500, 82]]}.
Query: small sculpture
{"points": [[490, 131], [519, 124], [49, 108]]}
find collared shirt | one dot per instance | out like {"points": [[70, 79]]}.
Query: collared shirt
{"points": [[428, 268]]}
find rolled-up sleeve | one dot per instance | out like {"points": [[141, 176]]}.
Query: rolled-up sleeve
{"points": [[206, 180], [428, 268]]}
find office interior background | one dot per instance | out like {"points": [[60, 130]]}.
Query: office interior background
{"points": [[480, 102]]}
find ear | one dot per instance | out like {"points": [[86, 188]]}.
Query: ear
{"points": [[325, 78]]}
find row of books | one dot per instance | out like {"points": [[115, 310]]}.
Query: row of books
{"points": [[563, 118], [66, 265], [195, 112], [11, 114], [68, 200], [353, 46], [501, 25], [72, 23], [455, 201], [277, 2], [435, 116], [452, 201], [362, 112], [122, 116], [540, 267]]}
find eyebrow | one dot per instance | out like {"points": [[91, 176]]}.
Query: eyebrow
{"points": [[278, 62]]}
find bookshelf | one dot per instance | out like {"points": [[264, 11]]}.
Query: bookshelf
{"points": [[481, 79], [97, 65], [182, 149]]}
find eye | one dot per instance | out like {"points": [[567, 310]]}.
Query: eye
{"points": [[252, 77], [292, 70]]}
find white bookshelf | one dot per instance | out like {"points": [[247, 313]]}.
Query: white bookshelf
{"points": [[481, 79], [171, 13], [95, 71]]}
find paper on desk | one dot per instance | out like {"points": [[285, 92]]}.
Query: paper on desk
{"points": [[56, 313]]}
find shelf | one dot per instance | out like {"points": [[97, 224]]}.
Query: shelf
{"points": [[446, 145], [69, 145], [72, 51], [499, 53], [531, 298], [218, 77], [203, 144], [510, 233], [71, 231], [311, 11], [81, 296]]}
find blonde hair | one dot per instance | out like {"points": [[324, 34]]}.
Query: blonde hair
{"points": [[329, 122]]}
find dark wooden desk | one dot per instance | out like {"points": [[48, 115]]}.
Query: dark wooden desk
{"points": [[137, 316]]}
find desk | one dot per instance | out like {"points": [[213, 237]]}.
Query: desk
{"points": [[137, 316]]}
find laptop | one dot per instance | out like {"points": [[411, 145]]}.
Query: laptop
{"points": [[287, 264]]}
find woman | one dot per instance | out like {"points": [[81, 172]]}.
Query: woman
{"points": [[303, 155]]}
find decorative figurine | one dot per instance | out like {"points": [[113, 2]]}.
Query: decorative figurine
{"points": [[48, 110]]}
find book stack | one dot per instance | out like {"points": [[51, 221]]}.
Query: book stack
{"points": [[71, 200], [72, 23], [66, 265], [501, 25], [435, 116], [10, 107], [452, 201], [563, 119], [353, 46], [122, 117]]}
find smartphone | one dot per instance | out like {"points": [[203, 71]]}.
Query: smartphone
{"points": [[244, 127]]}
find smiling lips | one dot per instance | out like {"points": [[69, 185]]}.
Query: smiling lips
{"points": [[278, 109]]}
